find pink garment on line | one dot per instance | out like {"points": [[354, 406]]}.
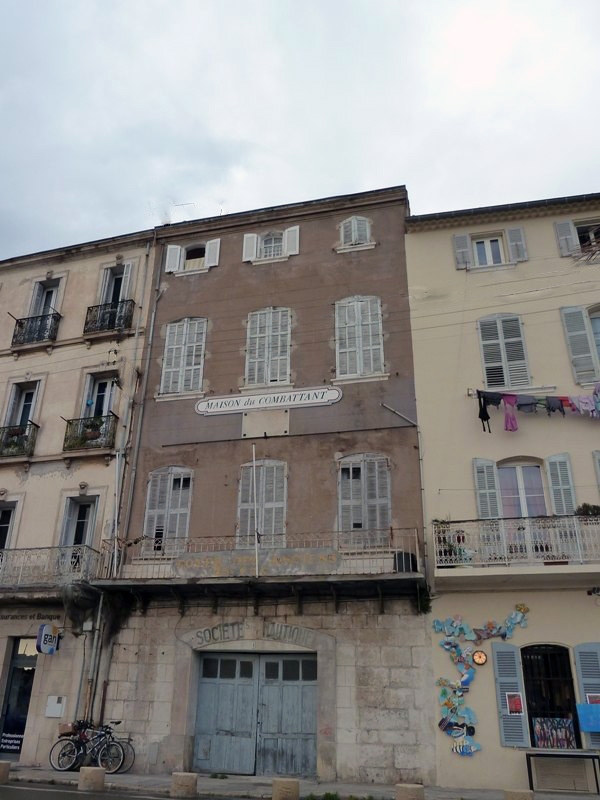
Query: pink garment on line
{"points": [[510, 420]]}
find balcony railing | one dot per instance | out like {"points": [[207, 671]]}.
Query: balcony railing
{"points": [[36, 329], [379, 552], [521, 541], [18, 440], [47, 566], [89, 433], [109, 317]]}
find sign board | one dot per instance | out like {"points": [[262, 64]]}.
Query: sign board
{"points": [[295, 398], [47, 639]]}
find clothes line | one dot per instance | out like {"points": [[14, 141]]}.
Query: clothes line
{"points": [[587, 405]]}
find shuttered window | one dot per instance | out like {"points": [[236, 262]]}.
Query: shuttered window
{"points": [[503, 352], [198, 257], [560, 480], [271, 245], [262, 520], [364, 493], [183, 359], [268, 347], [359, 337], [509, 679], [355, 231], [581, 331], [587, 663], [168, 503], [489, 250]]}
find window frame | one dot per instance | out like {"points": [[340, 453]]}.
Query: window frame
{"points": [[512, 245], [373, 467], [173, 373], [252, 248], [507, 347], [271, 513], [15, 408], [568, 238], [353, 332], [167, 507], [70, 521], [355, 241], [5, 506], [269, 361], [175, 256]]}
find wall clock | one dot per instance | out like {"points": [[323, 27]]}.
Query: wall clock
{"points": [[479, 657]]}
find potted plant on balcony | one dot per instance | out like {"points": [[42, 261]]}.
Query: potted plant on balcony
{"points": [[92, 427]]}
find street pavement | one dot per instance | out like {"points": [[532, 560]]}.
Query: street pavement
{"points": [[257, 787]]}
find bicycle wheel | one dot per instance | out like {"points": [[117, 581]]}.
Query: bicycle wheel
{"points": [[129, 755], [110, 756], [65, 755]]}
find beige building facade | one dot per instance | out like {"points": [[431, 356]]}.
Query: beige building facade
{"points": [[504, 313]]}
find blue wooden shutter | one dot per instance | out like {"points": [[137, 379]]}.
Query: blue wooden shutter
{"points": [[587, 663], [509, 678]]}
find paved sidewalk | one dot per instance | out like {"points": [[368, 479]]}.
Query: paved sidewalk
{"points": [[235, 786]]}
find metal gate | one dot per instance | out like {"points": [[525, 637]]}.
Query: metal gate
{"points": [[257, 714]]}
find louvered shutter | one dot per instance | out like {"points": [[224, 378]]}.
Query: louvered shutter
{"points": [[487, 489], [587, 663], [174, 258], [273, 503], [256, 347], [503, 352], [361, 233], [514, 348], [347, 232], [250, 247], [517, 250], [126, 280], [193, 357], [350, 495], [246, 506], [173, 357], [371, 336], [37, 300], [580, 344], [509, 678], [377, 494], [105, 288], [156, 505], [291, 241], [178, 511], [561, 484], [596, 457], [211, 253], [69, 523], [462, 251], [566, 235], [278, 345], [346, 335]]}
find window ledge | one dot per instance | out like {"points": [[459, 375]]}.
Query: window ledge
{"points": [[180, 272], [520, 389], [262, 388], [380, 376], [350, 248], [493, 267], [162, 398], [258, 261]]}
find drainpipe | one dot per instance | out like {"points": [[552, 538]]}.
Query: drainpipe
{"points": [[93, 657]]}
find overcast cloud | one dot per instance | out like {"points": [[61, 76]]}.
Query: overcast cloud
{"points": [[116, 115]]}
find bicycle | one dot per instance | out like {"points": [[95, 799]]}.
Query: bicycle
{"points": [[86, 743]]}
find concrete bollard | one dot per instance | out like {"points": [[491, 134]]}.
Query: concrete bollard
{"points": [[518, 794], [410, 791], [286, 789], [184, 784], [4, 770], [91, 779]]}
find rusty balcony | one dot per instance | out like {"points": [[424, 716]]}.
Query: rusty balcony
{"points": [[109, 317], [46, 567], [18, 440], [90, 433], [30, 330]]}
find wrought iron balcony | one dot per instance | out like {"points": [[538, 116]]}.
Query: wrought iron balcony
{"points": [[47, 566], [523, 541], [90, 432], [36, 329], [18, 440], [109, 317]]}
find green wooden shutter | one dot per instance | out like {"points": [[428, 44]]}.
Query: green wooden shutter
{"points": [[463, 256], [560, 480], [517, 251], [587, 664], [487, 490], [580, 344], [509, 678], [566, 235]]}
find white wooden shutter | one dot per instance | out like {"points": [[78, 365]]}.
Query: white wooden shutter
{"points": [[126, 280], [178, 511], [256, 347], [361, 232], [560, 480], [509, 678], [37, 300], [346, 237], [156, 504], [291, 241], [596, 457], [245, 537], [173, 357], [377, 494], [503, 352], [278, 345], [487, 489], [580, 344], [587, 664], [211, 253], [359, 337], [273, 503], [566, 235], [371, 336], [346, 337], [463, 256], [174, 258], [350, 482], [250, 247], [193, 355], [69, 523], [517, 251], [106, 285]]}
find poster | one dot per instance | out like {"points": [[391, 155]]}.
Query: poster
{"points": [[514, 703], [554, 733]]}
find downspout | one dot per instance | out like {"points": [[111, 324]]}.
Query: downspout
{"points": [[93, 657]]}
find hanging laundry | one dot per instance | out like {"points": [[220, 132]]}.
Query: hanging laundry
{"points": [[484, 414], [510, 420], [555, 404], [587, 404], [527, 403]]}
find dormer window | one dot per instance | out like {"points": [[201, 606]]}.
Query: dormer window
{"points": [[355, 234], [272, 245], [198, 257]]}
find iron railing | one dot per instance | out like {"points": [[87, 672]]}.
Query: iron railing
{"points": [[18, 440], [47, 566], [519, 541], [356, 552], [90, 432], [109, 317], [36, 329]]}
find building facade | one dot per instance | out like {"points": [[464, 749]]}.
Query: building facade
{"points": [[273, 513], [70, 345], [505, 308]]}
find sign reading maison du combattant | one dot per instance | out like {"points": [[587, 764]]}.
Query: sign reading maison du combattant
{"points": [[296, 398]]}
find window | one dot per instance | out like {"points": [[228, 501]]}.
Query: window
{"points": [[22, 403], [262, 520], [582, 333], [503, 351], [7, 514], [473, 251], [183, 359], [99, 395], [359, 337], [364, 495], [355, 232], [268, 347], [41, 324], [168, 503], [79, 521], [579, 239], [271, 246], [194, 257]]}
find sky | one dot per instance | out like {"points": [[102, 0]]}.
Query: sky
{"points": [[118, 115]]}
